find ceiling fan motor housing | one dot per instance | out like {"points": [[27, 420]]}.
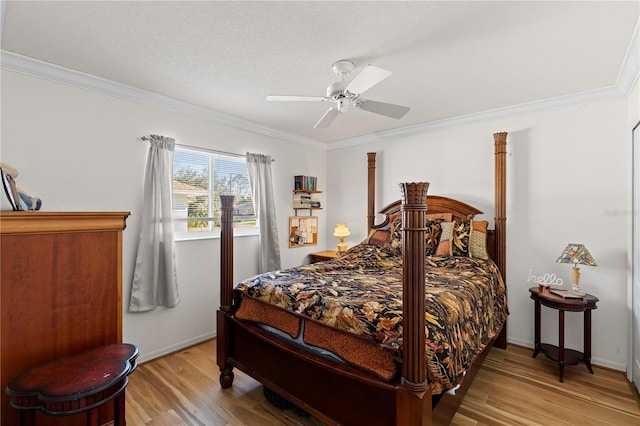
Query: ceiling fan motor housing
{"points": [[336, 90], [337, 93]]}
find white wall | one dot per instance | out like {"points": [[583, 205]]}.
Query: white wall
{"points": [[568, 176], [568, 173], [80, 150]]}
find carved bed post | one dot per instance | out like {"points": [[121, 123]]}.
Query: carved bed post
{"points": [[500, 199], [413, 390], [226, 289], [371, 190], [226, 250], [500, 218]]}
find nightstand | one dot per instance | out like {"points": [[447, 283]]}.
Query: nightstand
{"points": [[321, 256], [559, 353]]}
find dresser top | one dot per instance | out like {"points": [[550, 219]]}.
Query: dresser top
{"points": [[39, 222]]}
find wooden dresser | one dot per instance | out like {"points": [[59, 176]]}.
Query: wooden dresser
{"points": [[61, 292]]}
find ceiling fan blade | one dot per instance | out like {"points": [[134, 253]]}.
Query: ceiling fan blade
{"points": [[327, 118], [382, 108], [295, 98], [368, 77]]}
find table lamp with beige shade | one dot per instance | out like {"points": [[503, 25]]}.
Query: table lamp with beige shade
{"points": [[341, 232]]}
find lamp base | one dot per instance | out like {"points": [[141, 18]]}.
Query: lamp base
{"points": [[342, 248], [576, 282]]}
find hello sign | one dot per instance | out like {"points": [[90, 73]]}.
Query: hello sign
{"points": [[546, 280]]}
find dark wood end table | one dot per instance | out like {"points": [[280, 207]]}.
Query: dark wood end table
{"points": [[76, 384], [560, 354]]}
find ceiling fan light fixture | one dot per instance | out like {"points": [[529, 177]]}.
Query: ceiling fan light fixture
{"points": [[343, 105]]}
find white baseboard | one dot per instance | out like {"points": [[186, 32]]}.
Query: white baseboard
{"points": [[175, 347], [594, 361], [148, 356]]}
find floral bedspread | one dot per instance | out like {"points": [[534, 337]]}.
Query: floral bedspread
{"points": [[361, 293]]}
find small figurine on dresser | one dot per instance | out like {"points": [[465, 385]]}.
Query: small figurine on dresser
{"points": [[18, 198]]}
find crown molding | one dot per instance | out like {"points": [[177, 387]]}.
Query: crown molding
{"points": [[33, 67], [630, 69], [629, 74], [494, 114]]}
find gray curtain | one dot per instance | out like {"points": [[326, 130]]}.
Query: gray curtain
{"points": [[154, 280], [259, 168]]}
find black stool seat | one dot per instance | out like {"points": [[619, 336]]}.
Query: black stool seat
{"points": [[75, 384]]}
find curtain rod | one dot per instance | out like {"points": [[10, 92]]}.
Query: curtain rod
{"points": [[212, 151]]}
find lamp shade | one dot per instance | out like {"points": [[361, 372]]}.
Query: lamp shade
{"points": [[576, 254], [341, 230]]}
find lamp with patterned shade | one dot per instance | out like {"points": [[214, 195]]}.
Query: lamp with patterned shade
{"points": [[576, 254]]}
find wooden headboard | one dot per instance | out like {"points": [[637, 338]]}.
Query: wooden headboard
{"points": [[438, 204], [435, 204], [496, 238]]}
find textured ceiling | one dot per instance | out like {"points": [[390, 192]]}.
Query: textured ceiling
{"points": [[448, 59]]}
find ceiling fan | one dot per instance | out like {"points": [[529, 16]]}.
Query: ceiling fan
{"points": [[346, 94]]}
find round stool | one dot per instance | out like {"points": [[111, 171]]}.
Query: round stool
{"points": [[76, 384]]}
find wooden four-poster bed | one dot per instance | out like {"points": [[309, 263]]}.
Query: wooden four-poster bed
{"points": [[372, 364]]}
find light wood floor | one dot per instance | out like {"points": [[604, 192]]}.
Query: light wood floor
{"points": [[511, 388]]}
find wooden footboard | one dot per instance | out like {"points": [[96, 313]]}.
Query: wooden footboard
{"points": [[306, 380], [340, 394]]}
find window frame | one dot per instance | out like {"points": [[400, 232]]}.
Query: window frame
{"points": [[213, 231]]}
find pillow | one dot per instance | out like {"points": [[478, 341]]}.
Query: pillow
{"points": [[478, 239], [460, 240], [444, 246], [432, 233], [377, 237], [467, 239], [432, 236]]}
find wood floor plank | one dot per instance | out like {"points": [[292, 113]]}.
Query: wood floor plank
{"points": [[511, 388], [169, 418]]}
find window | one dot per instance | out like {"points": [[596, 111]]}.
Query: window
{"points": [[199, 178]]}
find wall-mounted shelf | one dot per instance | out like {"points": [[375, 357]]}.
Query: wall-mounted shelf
{"points": [[305, 200], [303, 230]]}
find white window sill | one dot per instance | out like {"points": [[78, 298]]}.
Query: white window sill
{"points": [[211, 235]]}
